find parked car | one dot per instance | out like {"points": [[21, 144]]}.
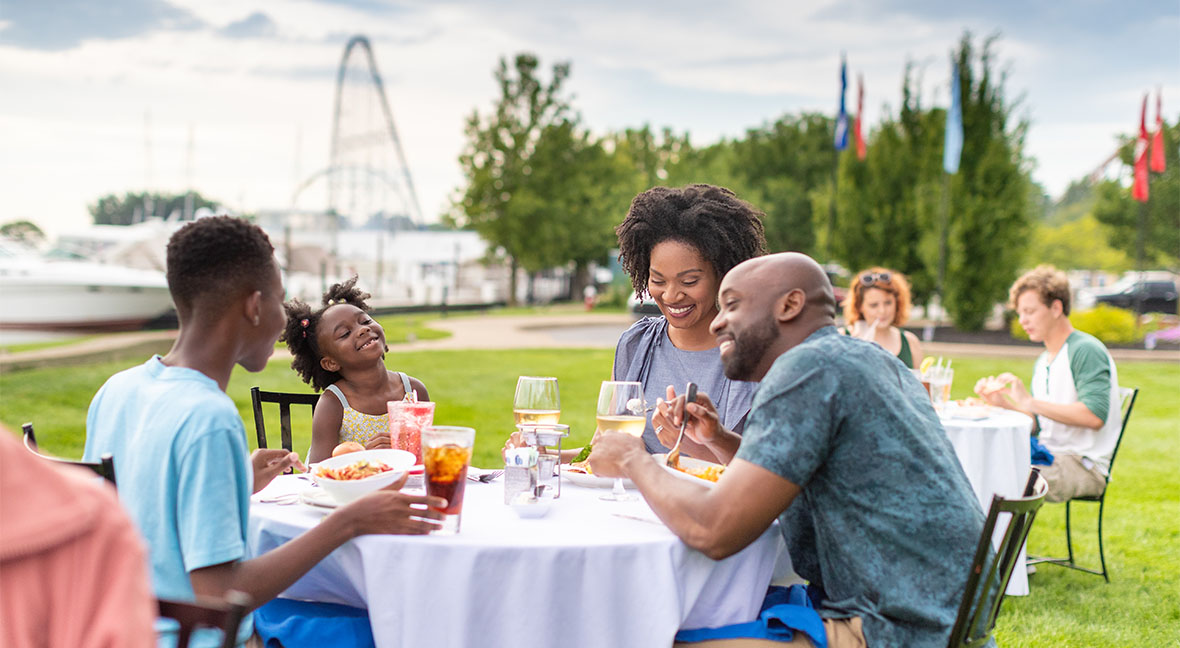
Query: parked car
{"points": [[1149, 292]]}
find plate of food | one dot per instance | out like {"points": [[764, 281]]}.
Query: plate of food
{"points": [[579, 473], [318, 498], [347, 477], [695, 470]]}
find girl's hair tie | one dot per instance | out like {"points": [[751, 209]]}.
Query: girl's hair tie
{"points": [[304, 322], [331, 302]]}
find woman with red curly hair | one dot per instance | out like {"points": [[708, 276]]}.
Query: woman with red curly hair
{"points": [[878, 303]]}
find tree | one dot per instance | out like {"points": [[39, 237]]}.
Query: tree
{"points": [[783, 163], [500, 201], [136, 207], [1161, 217], [889, 205], [23, 231]]}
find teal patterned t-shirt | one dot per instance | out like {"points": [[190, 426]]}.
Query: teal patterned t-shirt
{"points": [[886, 522]]}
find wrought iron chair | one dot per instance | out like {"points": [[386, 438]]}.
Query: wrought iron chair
{"points": [[284, 400], [225, 615], [1128, 394], [105, 467], [991, 570]]}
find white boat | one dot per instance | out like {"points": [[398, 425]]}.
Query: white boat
{"points": [[48, 294]]}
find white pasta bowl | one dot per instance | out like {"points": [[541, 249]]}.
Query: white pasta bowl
{"points": [[347, 490]]}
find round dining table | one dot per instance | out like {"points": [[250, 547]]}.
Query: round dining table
{"points": [[993, 449], [590, 573]]}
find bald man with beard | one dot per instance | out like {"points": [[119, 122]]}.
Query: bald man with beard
{"points": [[841, 446]]}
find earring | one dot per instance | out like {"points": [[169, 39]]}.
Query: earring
{"points": [[255, 320]]}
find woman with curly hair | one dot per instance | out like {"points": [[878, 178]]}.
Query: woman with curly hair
{"points": [[877, 304], [340, 350], [676, 244]]}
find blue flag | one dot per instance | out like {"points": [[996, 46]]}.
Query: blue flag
{"points": [[841, 139], [953, 147]]}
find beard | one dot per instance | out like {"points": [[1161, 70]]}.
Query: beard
{"points": [[749, 347]]}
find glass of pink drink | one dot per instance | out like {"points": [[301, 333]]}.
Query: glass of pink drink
{"points": [[407, 419]]}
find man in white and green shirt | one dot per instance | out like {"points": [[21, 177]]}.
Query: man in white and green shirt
{"points": [[1075, 394]]}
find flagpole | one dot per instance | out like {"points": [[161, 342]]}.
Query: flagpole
{"points": [[943, 237], [832, 207]]}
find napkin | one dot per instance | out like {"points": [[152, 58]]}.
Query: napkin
{"points": [[785, 611], [1039, 453], [295, 624]]}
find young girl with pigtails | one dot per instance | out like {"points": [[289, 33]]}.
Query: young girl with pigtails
{"points": [[340, 350]]}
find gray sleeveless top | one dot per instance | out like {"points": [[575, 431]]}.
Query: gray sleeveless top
{"points": [[645, 354]]}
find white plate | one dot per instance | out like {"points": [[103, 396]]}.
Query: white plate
{"points": [[317, 498], [687, 462], [591, 481]]}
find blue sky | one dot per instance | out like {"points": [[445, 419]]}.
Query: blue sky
{"points": [[234, 97]]}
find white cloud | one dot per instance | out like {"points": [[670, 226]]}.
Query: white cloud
{"points": [[259, 108]]}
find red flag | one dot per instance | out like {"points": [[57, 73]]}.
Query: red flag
{"points": [[1158, 164], [1139, 187], [860, 108]]}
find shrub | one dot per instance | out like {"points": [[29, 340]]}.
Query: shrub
{"points": [[1109, 324]]}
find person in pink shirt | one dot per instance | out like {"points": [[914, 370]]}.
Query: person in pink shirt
{"points": [[73, 570]]}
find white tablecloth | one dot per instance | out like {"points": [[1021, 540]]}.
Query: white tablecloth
{"points": [[581, 576], [994, 452]]}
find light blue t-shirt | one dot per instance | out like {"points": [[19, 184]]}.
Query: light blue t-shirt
{"points": [[886, 521], [183, 469]]}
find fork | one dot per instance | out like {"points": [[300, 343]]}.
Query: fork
{"points": [[486, 477], [673, 457]]}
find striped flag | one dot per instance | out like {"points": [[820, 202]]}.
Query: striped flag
{"points": [[1158, 163], [860, 109], [1139, 186], [841, 139]]}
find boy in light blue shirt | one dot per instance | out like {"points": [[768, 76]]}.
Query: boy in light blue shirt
{"points": [[180, 448]]}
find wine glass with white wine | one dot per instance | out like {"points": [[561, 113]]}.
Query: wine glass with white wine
{"points": [[537, 400], [620, 409]]}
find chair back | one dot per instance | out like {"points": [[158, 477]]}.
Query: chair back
{"points": [[284, 400], [105, 467], [225, 615], [991, 570], [1127, 395]]}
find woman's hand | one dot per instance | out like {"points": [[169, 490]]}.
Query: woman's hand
{"points": [[514, 440], [269, 463], [863, 330], [704, 424]]}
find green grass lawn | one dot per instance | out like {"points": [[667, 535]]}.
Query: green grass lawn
{"points": [[1140, 607]]}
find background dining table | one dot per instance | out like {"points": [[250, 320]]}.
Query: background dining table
{"points": [[591, 573], [992, 446]]}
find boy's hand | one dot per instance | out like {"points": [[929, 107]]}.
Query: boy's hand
{"points": [[268, 463], [393, 512]]}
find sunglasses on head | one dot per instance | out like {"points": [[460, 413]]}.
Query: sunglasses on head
{"points": [[874, 278]]}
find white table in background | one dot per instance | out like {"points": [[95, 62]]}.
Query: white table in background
{"points": [[580, 577], [994, 452]]}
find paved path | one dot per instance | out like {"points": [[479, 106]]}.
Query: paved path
{"points": [[571, 330]]}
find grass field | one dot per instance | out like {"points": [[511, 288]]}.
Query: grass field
{"points": [[1140, 607]]}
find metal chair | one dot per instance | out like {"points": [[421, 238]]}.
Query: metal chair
{"points": [[105, 467], [225, 615], [1128, 395], [284, 400], [991, 570]]}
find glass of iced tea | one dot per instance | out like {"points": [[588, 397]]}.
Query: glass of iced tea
{"points": [[407, 420], [446, 454]]}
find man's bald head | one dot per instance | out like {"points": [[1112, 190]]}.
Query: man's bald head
{"points": [[779, 274], [769, 304]]}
